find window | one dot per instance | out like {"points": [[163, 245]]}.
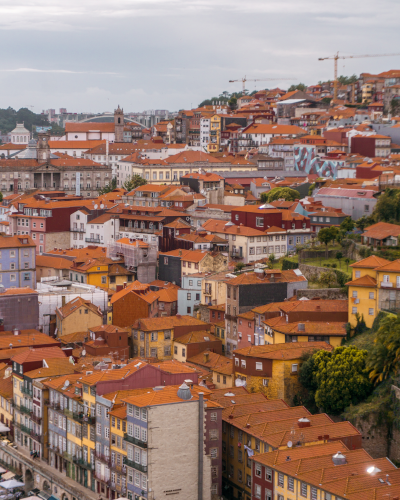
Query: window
{"points": [[236, 361], [243, 363], [259, 221], [268, 474], [314, 493], [213, 417], [371, 311], [354, 310], [290, 484], [386, 278], [257, 470], [354, 294], [281, 480], [268, 495], [295, 367], [259, 366], [189, 296], [303, 490]]}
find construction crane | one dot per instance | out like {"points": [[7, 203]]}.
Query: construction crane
{"points": [[336, 57], [244, 80]]}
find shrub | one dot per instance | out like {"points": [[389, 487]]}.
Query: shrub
{"points": [[289, 264]]}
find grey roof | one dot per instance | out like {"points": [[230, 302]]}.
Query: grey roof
{"points": [[20, 129]]}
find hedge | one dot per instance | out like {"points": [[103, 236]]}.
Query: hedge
{"points": [[289, 264]]}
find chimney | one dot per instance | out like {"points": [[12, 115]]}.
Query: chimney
{"points": [[301, 327], [303, 422], [62, 300], [206, 356]]}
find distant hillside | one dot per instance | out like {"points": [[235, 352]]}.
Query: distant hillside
{"points": [[9, 117]]}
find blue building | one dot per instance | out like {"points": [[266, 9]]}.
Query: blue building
{"points": [[17, 262], [189, 295]]}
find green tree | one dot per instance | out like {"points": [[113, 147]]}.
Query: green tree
{"points": [[387, 208], [299, 86], [342, 378], [133, 182], [279, 193], [384, 357], [339, 257], [395, 106], [239, 266], [347, 225], [362, 223], [272, 259], [1, 197], [346, 80], [326, 235], [311, 189], [232, 103], [347, 260], [308, 382], [328, 279], [109, 187]]}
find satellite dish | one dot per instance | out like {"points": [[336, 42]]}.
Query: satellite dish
{"points": [[83, 352], [66, 383], [290, 444], [95, 207], [102, 205]]}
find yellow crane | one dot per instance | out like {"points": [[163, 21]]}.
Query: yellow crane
{"points": [[244, 80], [336, 57]]}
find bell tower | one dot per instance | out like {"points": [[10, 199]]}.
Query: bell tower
{"points": [[43, 148], [119, 124]]}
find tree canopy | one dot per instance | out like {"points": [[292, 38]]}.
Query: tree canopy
{"points": [[347, 225], [384, 357], [346, 80], [133, 182], [328, 234], [9, 118], [109, 187], [278, 193], [387, 208], [299, 86], [341, 378]]}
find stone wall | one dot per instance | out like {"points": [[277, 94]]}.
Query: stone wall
{"points": [[374, 437], [204, 313], [322, 293]]}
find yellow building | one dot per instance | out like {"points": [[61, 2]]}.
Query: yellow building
{"points": [[102, 272], [153, 337], [193, 343], [76, 316], [277, 331], [118, 448], [219, 332], [273, 368], [6, 395], [223, 376], [215, 134], [374, 287], [213, 289]]}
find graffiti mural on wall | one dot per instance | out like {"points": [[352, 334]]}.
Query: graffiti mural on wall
{"points": [[307, 160]]}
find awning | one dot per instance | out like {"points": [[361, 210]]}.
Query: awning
{"points": [[4, 428], [7, 475], [11, 484]]}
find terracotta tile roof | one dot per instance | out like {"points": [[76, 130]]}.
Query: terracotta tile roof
{"points": [[190, 156], [75, 304], [39, 354], [282, 351], [273, 129], [167, 323], [178, 224], [268, 406], [63, 145], [163, 284], [275, 457], [272, 307], [336, 329], [245, 399], [210, 360], [194, 238], [196, 337], [217, 393], [381, 230], [370, 262], [89, 126], [142, 290], [167, 395], [365, 281], [248, 316], [167, 294], [186, 255], [55, 367], [36, 341], [220, 226], [118, 412], [19, 291], [53, 262], [174, 366], [6, 386], [117, 396], [20, 241], [72, 338], [315, 305], [390, 267]]}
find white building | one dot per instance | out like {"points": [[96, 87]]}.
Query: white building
{"points": [[101, 230], [20, 134], [204, 132]]}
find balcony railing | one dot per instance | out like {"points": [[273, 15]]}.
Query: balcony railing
{"points": [[25, 429], [36, 418], [25, 409], [77, 230], [26, 390], [118, 467], [92, 240], [134, 465], [67, 456], [36, 437], [83, 463], [83, 419], [53, 404], [102, 477], [133, 440], [103, 458]]}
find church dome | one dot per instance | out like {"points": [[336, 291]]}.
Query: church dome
{"points": [[20, 129]]}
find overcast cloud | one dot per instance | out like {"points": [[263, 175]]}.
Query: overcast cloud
{"points": [[89, 55]]}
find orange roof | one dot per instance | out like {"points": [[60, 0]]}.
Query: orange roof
{"points": [[371, 262], [53, 262], [336, 329], [390, 266], [16, 241], [196, 337], [210, 360], [167, 395], [366, 281], [314, 305], [167, 322], [167, 294], [89, 126], [292, 350], [220, 226], [59, 145], [208, 177], [381, 230], [19, 291], [54, 367], [144, 292], [273, 129], [75, 304], [39, 354]]}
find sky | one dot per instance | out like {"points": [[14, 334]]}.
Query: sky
{"points": [[90, 56]]}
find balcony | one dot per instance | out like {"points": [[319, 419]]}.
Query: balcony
{"points": [[83, 463], [102, 477], [103, 458], [53, 404], [26, 390], [83, 419], [92, 240], [68, 456], [25, 429], [118, 468], [36, 418], [77, 230], [385, 284], [118, 487], [134, 465], [133, 440], [237, 254], [144, 230], [36, 437]]}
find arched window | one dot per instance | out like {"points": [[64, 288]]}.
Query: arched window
{"points": [[129, 223], [136, 223], [17, 138], [142, 225], [119, 120]]}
